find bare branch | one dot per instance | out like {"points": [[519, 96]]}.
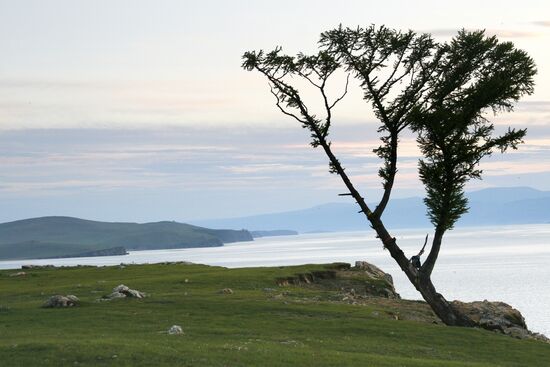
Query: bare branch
{"points": [[343, 94], [423, 247], [278, 104]]}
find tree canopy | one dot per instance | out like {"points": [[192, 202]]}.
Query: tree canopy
{"points": [[444, 92]]}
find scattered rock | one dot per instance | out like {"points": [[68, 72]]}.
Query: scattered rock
{"points": [[18, 274], [226, 291], [115, 295], [122, 291], [175, 330], [59, 301], [499, 317]]}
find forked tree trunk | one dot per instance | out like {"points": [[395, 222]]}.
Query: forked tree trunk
{"points": [[420, 280]]}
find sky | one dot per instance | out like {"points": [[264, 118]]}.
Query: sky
{"points": [[139, 110]]}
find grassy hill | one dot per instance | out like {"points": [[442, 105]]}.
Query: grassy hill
{"points": [[64, 236], [260, 324]]}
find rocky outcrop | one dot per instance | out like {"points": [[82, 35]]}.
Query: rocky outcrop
{"points": [[59, 301], [363, 280], [306, 278], [497, 316], [122, 291], [373, 271]]}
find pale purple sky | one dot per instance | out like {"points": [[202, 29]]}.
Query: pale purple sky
{"points": [[138, 110]]}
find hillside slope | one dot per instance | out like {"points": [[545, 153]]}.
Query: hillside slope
{"points": [[259, 324], [65, 236]]}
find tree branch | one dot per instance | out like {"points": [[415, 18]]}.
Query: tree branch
{"points": [[278, 104]]}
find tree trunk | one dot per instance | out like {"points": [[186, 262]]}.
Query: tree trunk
{"points": [[421, 280], [440, 306]]}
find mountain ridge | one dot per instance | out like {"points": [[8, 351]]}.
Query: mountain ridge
{"points": [[491, 206]]}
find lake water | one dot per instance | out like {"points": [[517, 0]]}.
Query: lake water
{"points": [[506, 263]]}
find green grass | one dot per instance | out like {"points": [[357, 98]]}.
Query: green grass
{"points": [[251, 327]]}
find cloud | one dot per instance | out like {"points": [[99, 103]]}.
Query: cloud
{"points": [[271, 167], [516, 168], [542, 23], [534, 106], [168, 167], [56, 103], [501, 33]]}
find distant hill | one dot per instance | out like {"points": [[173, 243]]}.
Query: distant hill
{"points": [[494, 206], [65, 236]]}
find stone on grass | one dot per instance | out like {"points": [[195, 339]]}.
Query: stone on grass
{"points": [[59, 301], [128, 292], [18, 274], [226, 291], [122, 291], [116, 295], [175, 330]]}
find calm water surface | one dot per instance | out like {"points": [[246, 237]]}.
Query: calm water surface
{"points": [[507, 263]]}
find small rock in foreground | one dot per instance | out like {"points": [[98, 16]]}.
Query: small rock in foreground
{"points": [[175, 330], [59, 301], [122, 291], [18, 274]]}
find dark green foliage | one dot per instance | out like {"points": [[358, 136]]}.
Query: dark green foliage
{"points": [[476, 75], [394, 68], [441, 91], [316, 69]]}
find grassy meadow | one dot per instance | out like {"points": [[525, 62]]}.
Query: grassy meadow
{"points": [[260, 324]]}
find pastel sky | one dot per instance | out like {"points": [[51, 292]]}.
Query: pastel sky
{"points": [[139, 110]]}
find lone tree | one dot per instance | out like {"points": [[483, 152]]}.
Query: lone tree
{"points": [[442, 92]]}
